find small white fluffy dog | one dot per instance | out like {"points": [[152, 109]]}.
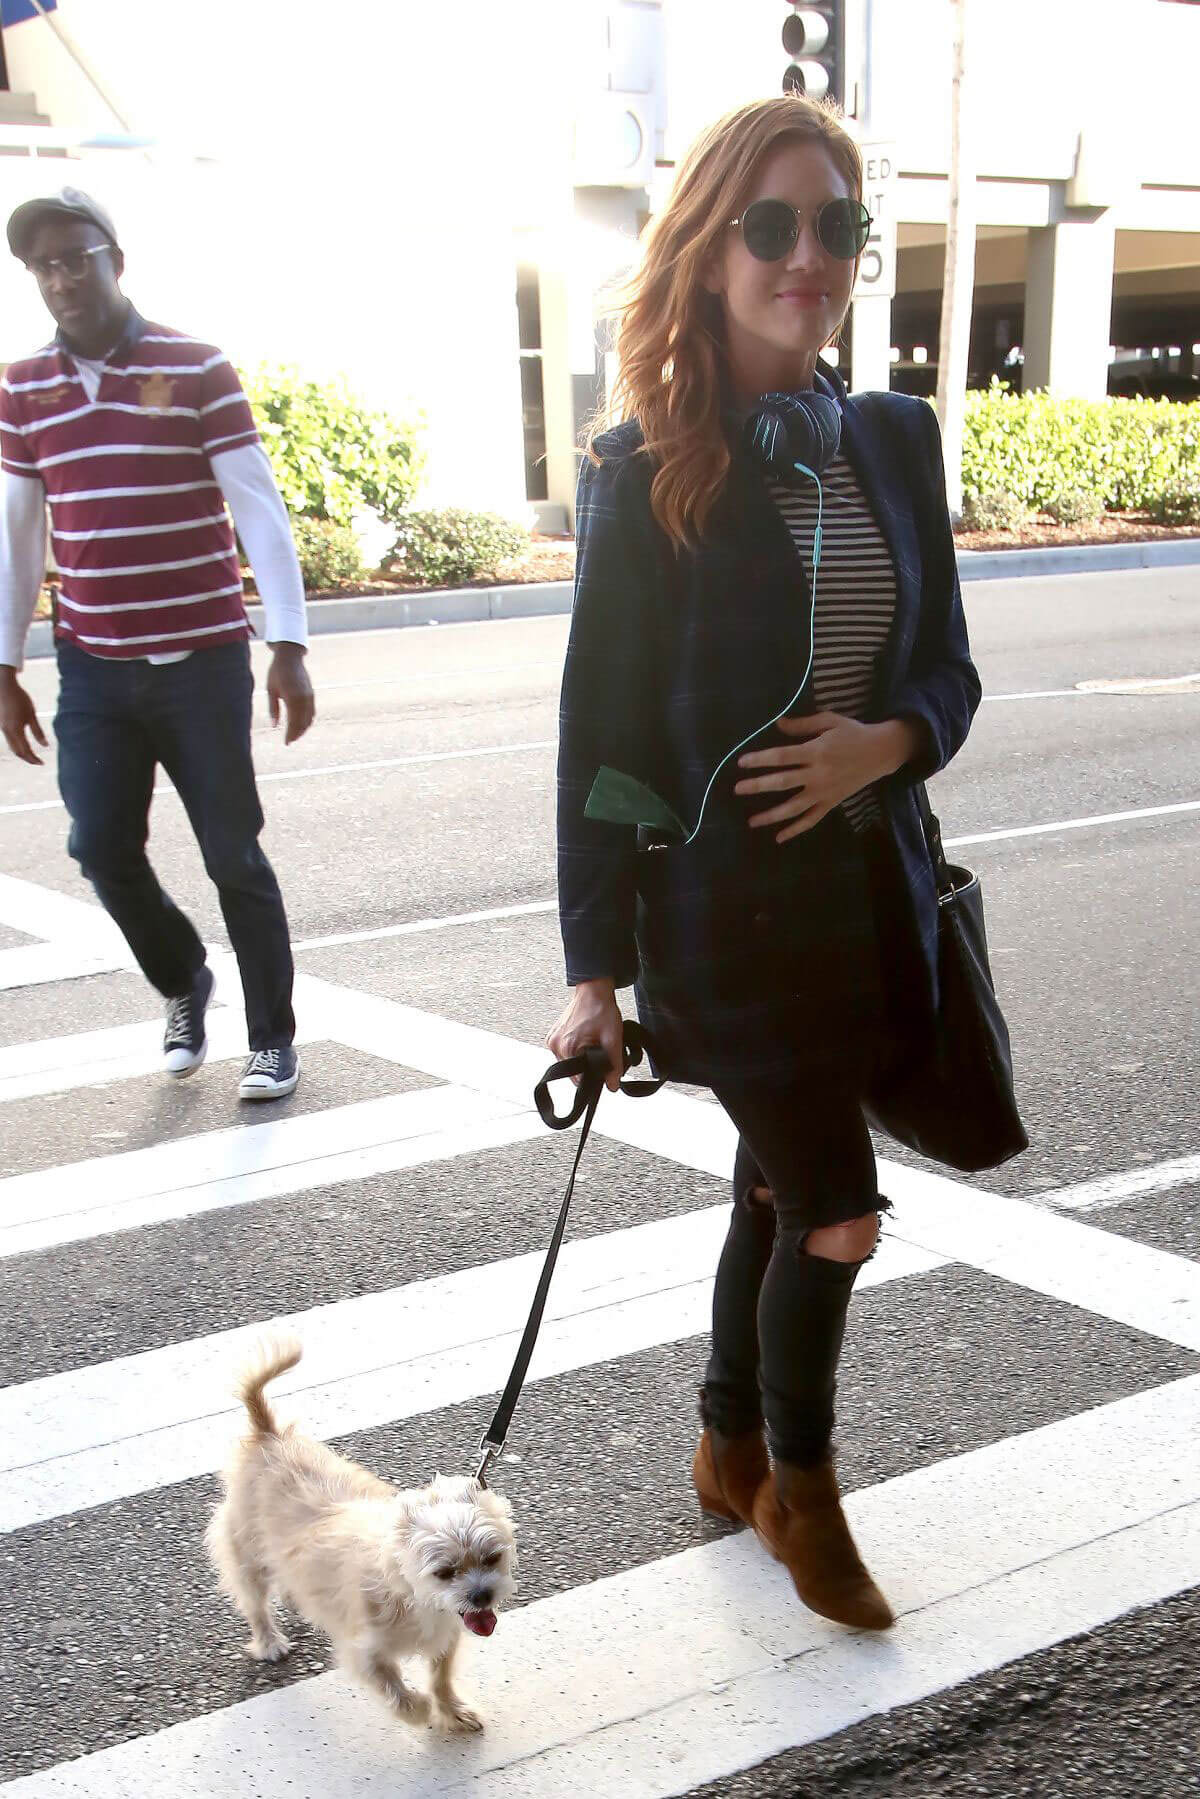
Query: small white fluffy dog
{"points": [[386, 1573]]}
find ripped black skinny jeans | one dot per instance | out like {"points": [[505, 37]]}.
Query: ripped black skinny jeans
{"points": [[779, 1314]]}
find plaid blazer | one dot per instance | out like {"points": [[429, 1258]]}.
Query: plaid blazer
{"points": [[745, 953]]}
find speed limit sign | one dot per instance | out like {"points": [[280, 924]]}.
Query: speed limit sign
{"points": [[877, 269]]}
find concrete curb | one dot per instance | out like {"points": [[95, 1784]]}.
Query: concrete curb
{"points": [[473, 605], [393, 611], [1076, 559]]}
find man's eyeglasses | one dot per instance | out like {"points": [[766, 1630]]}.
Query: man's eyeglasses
{"points": [[771, 229], [73, 264]]}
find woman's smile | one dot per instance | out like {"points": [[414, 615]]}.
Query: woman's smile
{"points": [[804, 296]]}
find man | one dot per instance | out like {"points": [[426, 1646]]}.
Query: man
{"points": [[137, 435]]}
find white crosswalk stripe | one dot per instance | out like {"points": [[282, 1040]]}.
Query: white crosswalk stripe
{"points": [[673, 1671]]}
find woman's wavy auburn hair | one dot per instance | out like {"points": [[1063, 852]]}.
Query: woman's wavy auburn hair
{"points": [[670, 333]]}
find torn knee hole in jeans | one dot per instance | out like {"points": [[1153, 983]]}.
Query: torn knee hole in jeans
{"points": [[755, 1197], [882, 1209]]}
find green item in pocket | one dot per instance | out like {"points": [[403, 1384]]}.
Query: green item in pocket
{"points": [[620, 800]]}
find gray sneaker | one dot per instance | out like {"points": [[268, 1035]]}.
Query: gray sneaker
{"points": [[270, 1074], [185, 1044]]}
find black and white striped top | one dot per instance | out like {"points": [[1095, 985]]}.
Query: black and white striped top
{"points": [[856, 598]]}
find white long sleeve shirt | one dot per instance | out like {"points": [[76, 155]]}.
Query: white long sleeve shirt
{"points": [[260, 518]]}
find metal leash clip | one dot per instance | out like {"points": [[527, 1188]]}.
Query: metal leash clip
{"points": [[488, 1451]]}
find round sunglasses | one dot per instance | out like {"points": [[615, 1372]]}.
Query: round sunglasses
{"points": [[74, 264], [771, 228]]}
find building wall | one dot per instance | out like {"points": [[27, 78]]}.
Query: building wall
{"points": [[366, 169]]}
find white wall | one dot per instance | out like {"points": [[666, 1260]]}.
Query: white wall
{"points": [[372, 164]]}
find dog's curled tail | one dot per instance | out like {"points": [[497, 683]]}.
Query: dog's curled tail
{"points": [[273, 1358]]}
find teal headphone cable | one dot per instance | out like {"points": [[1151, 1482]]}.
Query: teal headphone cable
{"points": [[818, 535]]}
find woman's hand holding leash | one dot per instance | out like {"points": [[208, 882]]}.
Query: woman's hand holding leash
{"points": [[834, 757], [591, 1016]]}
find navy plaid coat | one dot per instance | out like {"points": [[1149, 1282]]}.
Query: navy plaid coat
{"points": [[752, 960]]}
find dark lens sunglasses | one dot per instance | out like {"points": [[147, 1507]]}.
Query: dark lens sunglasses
{"points": [[770, 229], [74, 264]]}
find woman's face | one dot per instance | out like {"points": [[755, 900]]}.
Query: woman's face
{"points": [[778, 315]]}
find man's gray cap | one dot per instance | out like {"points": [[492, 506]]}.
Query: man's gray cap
{"points": [[67, 203]]}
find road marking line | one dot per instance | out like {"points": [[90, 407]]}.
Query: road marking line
{"points": [[1147, 1289], [43, 912], [1111, 1189], [663, 1676], [353, 768], [1038, 693], [340, 768], [147, 1421], [44, 964], [465, 673], [186, 1176], [428, 924], [121, 1053], [33, 806], [1086, 691], [1136, 683], [1075, 824]]}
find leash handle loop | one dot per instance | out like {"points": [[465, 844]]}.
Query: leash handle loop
{"points": [[590, 1068]]}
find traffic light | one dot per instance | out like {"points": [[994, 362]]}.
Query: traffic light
{"points": [[814, 37]]}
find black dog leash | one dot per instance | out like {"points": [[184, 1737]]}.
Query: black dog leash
{"points": [[591, 1067]]}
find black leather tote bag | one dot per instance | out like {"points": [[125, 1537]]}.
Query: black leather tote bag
{"points": [[956, 1104]]}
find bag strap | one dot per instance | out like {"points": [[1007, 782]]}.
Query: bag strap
{"points": [[590, 1070], [894, 422], [931, 825]]}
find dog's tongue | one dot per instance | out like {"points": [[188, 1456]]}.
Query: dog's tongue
{"points": [[482, 1623]]}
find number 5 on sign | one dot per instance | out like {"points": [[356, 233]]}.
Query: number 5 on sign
{"points": [[877, 269]]}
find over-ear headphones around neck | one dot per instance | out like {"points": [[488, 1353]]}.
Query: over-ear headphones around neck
{"points": [[796, 432]]}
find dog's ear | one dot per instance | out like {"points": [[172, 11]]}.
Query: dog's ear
{"points": [[460, 1489], [497, 1505]]}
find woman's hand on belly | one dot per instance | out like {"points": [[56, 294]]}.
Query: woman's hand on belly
{"points": [[591, 1015], [828, 758]]}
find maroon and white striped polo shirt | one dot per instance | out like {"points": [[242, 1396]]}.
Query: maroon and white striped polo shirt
{"points": [[143, 542]]}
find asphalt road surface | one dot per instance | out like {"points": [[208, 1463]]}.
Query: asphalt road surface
{"points": [[1020, 1401]]}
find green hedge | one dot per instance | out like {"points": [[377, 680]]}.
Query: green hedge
{"points": [[1126, 452], [333, 454], [447, 546], [330, 555]]}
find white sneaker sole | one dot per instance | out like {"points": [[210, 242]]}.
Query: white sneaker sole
{"points": [[254, 1089], [181, 1072]]}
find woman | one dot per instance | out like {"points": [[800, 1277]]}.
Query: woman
{"points": [[740, 737]]}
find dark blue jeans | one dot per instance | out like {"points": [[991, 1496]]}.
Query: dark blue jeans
{"points": [[116, 722]]}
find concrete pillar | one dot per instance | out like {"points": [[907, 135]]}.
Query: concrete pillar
{"points": [[598, 246], [568, 375], [871, 346], [1068, 306]]}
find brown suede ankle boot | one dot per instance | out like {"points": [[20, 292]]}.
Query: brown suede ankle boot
{"points": [[798, 1517], [728, 1471]]}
